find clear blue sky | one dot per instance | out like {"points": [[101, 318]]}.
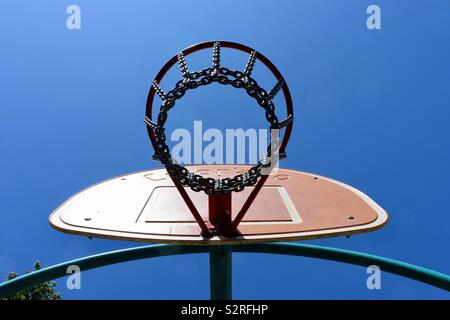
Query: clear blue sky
{"points": [[372, 110]]}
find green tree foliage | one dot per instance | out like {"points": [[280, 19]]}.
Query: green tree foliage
{"points": [[44, 291]]}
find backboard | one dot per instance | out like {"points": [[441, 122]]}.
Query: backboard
{"points": [[146, 207], [218, 204]]}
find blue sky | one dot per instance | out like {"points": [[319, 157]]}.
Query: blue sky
{"points": [[372, 110]]}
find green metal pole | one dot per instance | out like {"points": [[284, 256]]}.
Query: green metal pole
{"points": [[408, 270], [221, 262], [220, 275], [92, 262]]}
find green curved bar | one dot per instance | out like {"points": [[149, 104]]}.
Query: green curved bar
{"points": [[434, 278], [431, 277], [95, 261]]}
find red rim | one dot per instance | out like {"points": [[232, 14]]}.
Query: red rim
{"points": [[224, 44]]}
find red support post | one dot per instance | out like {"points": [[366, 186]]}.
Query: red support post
{"points": [[205, 230], [220, 212], [249, 202]]}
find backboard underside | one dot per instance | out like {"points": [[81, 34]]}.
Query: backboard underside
{"points": [[146, 207]]}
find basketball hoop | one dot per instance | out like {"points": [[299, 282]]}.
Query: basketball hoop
{"points": [[218, 190], [218, 205], [205, 204]]}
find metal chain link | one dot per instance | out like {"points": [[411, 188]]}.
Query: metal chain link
{"points": [[250, 63], [183, 67], [216, 55], [223, 76]]}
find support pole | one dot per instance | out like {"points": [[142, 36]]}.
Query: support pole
{"points": [[249, 202], [220, 275], [434, 278], [205, 230], [219, 208]]}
